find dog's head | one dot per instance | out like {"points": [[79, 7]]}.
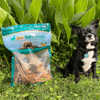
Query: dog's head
{"points": [[87, 34], [27, 44]]}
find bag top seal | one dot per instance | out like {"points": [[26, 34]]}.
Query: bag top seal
{"points": [[25, 27]]}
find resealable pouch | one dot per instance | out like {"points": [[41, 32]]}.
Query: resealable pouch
{"points": [[30, 45]]}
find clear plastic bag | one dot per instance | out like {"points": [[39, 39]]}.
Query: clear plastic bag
{"points": [[30, 45], [32, 68]]}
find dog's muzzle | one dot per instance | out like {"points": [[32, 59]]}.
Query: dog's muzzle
{"points": [[90, 37]]}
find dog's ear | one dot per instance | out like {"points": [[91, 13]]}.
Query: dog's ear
{"points": [[95, 24], [76, 29]]}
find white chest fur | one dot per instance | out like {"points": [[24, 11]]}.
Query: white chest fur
{"points": [[89, 60], [89, 46]]}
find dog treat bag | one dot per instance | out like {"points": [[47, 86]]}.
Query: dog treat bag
{"points": [[30, 45]]}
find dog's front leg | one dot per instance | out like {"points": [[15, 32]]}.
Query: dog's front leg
{"points": [[94, 70], [76, 72]]}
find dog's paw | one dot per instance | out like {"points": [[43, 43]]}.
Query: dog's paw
{"points": [[77, 80], [96, 77], [65, 75]]}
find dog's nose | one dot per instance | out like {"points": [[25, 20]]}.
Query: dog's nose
{"points": [[89, 35]]}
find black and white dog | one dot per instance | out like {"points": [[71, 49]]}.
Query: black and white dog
{"points": [[85, 56]]}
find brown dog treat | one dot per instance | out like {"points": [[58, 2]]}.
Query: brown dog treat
{"points": [[21, 70], [32, 77], [16, 77], [28, 71], [22, 79], [45, 76], [31, 70], [40, 79], [27, 60]]}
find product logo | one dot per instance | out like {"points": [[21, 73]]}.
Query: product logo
{"points": [[26, 37]]}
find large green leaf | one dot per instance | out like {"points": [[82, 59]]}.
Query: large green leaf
{"points": [[12, 20], [41, 17], [58, 32], [97, 16], [98, 5], [67, 29], [35, 9], [55, 3], [28, 3], [90, 3], [18, 9], [1, 41], [31, 20], [23, 7], [94, 2], [58, 16], [50, 12], [3, 15], [70, 10], [80, 6], [4, 5], [88, 17], [6, 22], [77, 16], [9, 21], [54, 38], [65, 13], [65, 3], [26, 18], [18, 0]]}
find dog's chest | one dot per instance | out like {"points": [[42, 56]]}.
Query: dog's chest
{"points": [[89, 46], [88, 60]]}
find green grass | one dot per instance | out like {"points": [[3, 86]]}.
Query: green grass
{"points": [[55, 89]]}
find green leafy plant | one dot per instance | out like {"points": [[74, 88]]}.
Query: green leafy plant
{"points": [[60, 13]]}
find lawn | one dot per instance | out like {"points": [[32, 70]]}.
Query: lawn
{"points": [[55, 89]]}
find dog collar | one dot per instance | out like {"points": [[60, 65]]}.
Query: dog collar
{"points": [[86, 55], [85, 50]]}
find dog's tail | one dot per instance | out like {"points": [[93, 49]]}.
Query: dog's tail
{"points": [[60, 69]]}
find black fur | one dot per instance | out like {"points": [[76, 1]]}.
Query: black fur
{"points": [[74, 65]]}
